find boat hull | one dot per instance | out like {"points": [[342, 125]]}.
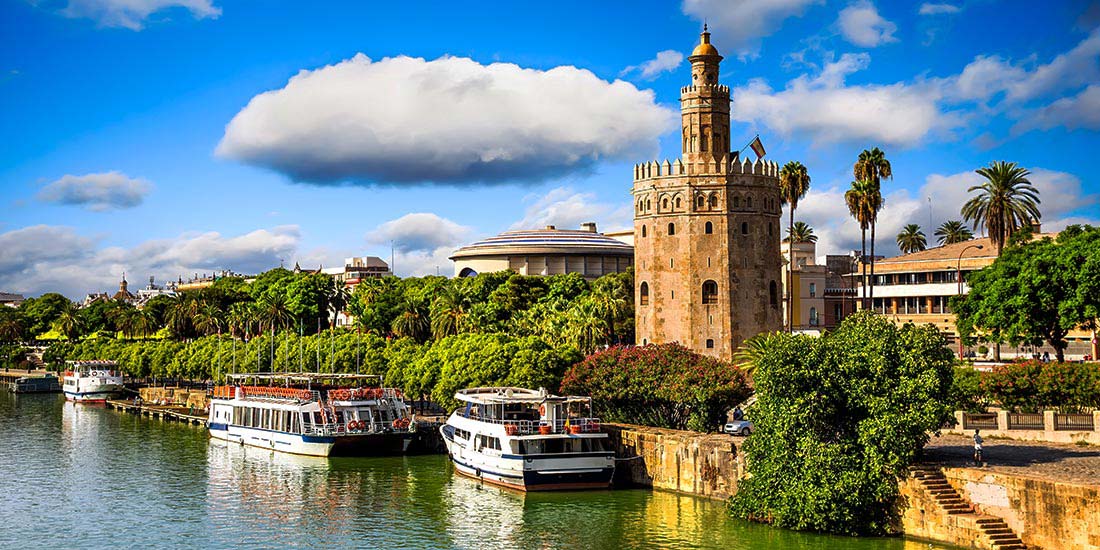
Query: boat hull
{"points": [[98, 395], [533, 480], [277, 441], [376, 444]]}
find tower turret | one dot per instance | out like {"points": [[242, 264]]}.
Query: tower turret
{"points": [[705, 107]]}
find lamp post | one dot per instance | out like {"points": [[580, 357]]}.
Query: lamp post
{"points": [[959, 280]]}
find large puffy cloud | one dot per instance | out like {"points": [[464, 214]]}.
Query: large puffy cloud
{"points": [[131, 14], [44, 258], [665, 61], [740, 24], [827, 110], [1061, 194], [566, 208], [451, 120], [861, 24], [1079, 111], [98, 192]]}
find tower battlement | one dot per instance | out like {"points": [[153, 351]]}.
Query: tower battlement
{"points": [[719, 88], [734, 166]]}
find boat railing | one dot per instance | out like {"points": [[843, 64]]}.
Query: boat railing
{"points": [[275, 393], [527, 427], [363, 394]]}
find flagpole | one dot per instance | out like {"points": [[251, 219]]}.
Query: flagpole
{"points": [[756, 137]]}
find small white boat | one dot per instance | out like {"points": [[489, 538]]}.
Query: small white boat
{"points": [[92, 381], [528, 440]]}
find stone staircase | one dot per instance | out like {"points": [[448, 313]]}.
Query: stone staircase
{"points": [[996, 533]]}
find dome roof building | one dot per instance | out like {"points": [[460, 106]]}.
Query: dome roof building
{"points": [[549, 251]]}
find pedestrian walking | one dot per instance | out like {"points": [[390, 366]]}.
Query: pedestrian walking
{"points": [[977, 448], [738, 414]]}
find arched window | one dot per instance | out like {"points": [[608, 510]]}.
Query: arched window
{"points": [[710, 343], [710, 292], [708, 228], [700, 202], [677, 203], [737, 202], [714, 201], [643, 231], [744, 228], [643, 297], [813, 290], [645, 342], [773, 294], [671, 229], [769, 230], [664, 204], [648, 204]]}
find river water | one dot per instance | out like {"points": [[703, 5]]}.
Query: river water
{"points": [[82, 476]]}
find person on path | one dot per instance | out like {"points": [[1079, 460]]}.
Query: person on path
{"points": [[977, 448], [738, 414]]}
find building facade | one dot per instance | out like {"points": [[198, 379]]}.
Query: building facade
{"points": [[809, 281], [706, 230], [548, 251]]}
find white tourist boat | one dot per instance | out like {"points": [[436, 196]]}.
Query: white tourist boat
{"points": [[92, 381], [309, 414], [528, 440]]}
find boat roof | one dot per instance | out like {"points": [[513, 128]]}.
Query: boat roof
{"points": [[93, 363], [498, 395], [303, 377]]}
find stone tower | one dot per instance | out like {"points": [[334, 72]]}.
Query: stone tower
{"points": [[707, 257]]}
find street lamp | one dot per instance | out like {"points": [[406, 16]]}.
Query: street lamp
{"points": [[958, 278]]}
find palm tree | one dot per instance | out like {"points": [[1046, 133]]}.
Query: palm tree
{"points": [[143, 323], [449, 310], [953, 231], [273, 312], [794, 182], [873, 166], [413, 321], [123, 316], [585, 326], [337, 297], [612, 303], [181, 313], [1006, 202], [210, 319], [11, 330], [69, 322], [858, 199], [242, 319], [748, 355], [802, 233], [911, 239]]}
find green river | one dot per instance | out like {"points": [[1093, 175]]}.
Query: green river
{"points": [[82, 476]]}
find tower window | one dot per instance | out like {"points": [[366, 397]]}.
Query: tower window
{"points": [[769, 230], [737, 202], [700, 202], [671, 229], [643, 231], [710, 343], [677, 203], [744, 228], [708, 228], [664, 204], [748, 202], [813, 317], [714, 201], [648, 204], [773, 294], [643, 293], [813, 290], [710, 292]]}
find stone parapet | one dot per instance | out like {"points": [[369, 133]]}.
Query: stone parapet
{"points": [[700, 464]]}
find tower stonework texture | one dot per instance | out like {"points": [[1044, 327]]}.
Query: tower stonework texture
{"points": [[707, 259]]}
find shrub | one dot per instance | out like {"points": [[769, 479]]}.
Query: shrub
{"points": [[966, 391], [838, 420], [1032, 386], [667, 386]]}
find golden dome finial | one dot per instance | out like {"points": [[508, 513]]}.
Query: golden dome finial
{"points": [[705, 47]]}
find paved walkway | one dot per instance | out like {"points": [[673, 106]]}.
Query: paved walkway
{"points": [[1054, 461]]}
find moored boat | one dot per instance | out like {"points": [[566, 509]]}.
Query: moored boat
{"points": [[92, 381], [36, 384], [528, 440]]}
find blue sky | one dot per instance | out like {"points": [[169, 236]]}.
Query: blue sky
{"points": [[119, 153]]}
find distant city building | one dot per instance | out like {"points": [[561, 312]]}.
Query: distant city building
{"points": [[152, 291], [11, 300], [840, 290], [917, 288], [706, 230], [809, 282], [358, 268], [199, 282], [123, 294], [549, 251]]}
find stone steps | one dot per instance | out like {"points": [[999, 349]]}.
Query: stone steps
{"points": [[995, 531]]}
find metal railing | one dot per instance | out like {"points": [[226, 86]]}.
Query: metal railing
{"points": [[1025, 421], [528, 427], [982, 421], [1079, 422]]}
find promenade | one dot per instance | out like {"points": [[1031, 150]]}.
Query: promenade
{"points": [[1051, 461]]}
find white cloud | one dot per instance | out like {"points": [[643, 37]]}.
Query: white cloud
{"points": [[740, 24], [1079, 111], [1060, 192], [451, 120], [827, 110], [421, 231], [929, 8], [565, 208], [861, 24], [97, 192], [665, 61], [45, 258], [131, 14]]}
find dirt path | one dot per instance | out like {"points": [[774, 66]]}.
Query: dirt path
{"points": [[1054, 461]]}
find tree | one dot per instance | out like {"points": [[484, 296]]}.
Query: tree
{"points": [[274, 313], [37, 315], [751, 351], [838, 420], [801, 232], [911, 239], [953, 231], [586, 326], [414, 321], [307, 299], [667, 386], [449, 311], [872, 166], [1005, 202], [794, 182], [180, 315], [860, 200], [69, 322], [1032, 292], [209, 319]]}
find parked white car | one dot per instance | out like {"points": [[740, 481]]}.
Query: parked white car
{"points": [[738, 427]]}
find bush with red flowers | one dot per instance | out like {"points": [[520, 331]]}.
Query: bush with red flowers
{"points": [[666, 386], [1032, 386]]}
